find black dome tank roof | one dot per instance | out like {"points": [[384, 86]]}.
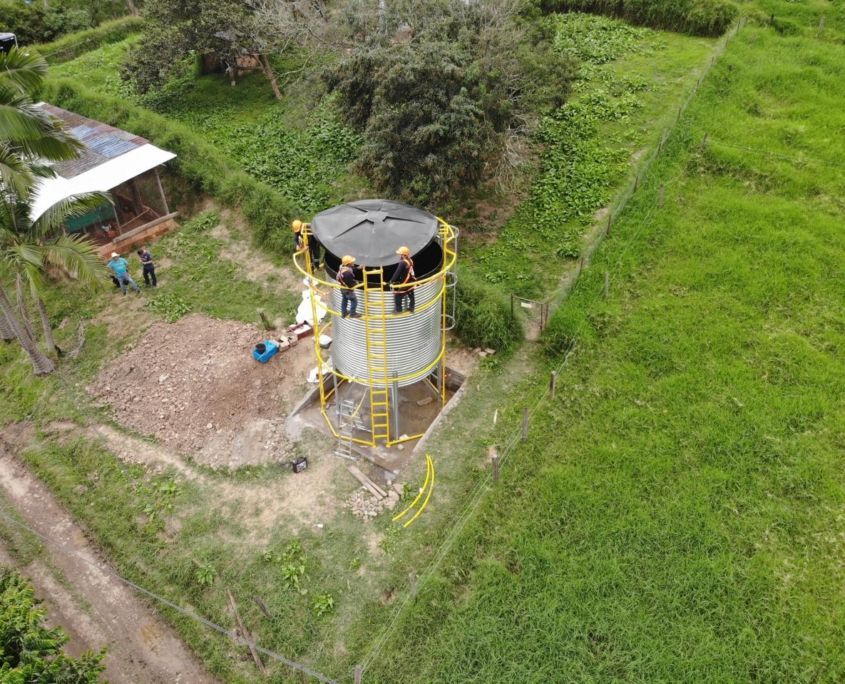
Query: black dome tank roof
{"points": [[372, 230]]}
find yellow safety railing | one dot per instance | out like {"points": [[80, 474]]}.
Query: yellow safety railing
{"points": [[375, 319]]}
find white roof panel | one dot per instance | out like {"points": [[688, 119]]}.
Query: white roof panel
{"points": [[101, 178]]}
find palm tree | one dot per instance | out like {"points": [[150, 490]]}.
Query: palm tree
{"points": [[29, 138]]}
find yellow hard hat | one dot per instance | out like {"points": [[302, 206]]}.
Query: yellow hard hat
{"points": [[347, 260], [296, 226], [404, 251]]}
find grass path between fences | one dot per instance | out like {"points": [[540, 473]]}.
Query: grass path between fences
{"points": [[678, 510]]}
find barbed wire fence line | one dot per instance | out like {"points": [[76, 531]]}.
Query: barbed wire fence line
{"points": [[488, 480]]}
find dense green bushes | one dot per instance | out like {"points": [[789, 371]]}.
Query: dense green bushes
{"points": [[70, 47], [30, 651], [38, 23], [198, 162], [483, 316], [699, 17]]}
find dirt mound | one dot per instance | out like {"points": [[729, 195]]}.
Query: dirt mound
{"points": [[194, 385]]}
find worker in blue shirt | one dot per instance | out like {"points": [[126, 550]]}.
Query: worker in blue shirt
{"points": [[120, 268]]}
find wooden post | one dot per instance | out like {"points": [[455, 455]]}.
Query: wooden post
{"points": [[524, 424], [161, 192], [137, 202], [493, 451], [265, 321], [512, 304], [553, 383], [821, 27], [636, 182], [609, 224], [245, 634], [661, 194], [704, 141], [606, 289], [359, 674]]}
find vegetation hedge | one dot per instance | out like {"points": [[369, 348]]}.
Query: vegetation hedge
{"points": [[697, 17], [200, 163], [483, 316], [71, 46]]}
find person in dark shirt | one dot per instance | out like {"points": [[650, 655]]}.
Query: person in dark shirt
{"points": [[149, 267], [348, 283], [402, 281]]}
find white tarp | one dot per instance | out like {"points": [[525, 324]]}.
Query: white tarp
{"points": [[101, 178]]}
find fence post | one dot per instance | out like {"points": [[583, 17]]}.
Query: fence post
{"points": [[609, 224], [511, 304], [821, 27], [494, 461], [524, 424], [359, 674], [606, 288], [636, 182], [552, 385]]}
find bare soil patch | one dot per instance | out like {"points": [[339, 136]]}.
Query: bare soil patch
{"points": [[98, 609], [195, 387]]}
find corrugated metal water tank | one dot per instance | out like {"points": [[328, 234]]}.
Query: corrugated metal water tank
{"points": [[372, 231], [413, 341]]}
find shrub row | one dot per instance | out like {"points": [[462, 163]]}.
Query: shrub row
{"points": [[483, 316], [200, 163], [71, 46], [697, 17]]}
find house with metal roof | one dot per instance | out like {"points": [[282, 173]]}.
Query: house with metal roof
{"points": [[114, 161]]}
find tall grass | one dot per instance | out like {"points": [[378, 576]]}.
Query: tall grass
{"points": [[73, 45], [676, 514], [698, 17]]}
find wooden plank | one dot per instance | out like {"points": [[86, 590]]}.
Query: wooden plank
{"points": [[245, 634], [366, 481]]}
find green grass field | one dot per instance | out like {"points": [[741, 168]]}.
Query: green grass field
{"points": [[678, 513]]}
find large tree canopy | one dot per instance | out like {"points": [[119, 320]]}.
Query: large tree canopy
{"points": [[176, 29], [434, 87]]}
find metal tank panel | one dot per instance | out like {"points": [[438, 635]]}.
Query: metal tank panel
{"points": [[413, 340]]}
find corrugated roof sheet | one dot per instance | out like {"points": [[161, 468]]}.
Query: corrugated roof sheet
{"points": [[102, 142]]}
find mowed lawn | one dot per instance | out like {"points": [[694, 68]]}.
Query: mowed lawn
{"points": [[678, 513]]}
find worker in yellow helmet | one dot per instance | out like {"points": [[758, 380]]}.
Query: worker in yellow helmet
{"points": [[299, 231], [348, 283], [402, 281], [296, 227]]}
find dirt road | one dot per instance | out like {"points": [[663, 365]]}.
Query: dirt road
{"points": [[94, 606]]}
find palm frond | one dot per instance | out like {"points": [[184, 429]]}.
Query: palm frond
{"points": [[76, 256], [51, 221], [22, 70], [16, 175]]}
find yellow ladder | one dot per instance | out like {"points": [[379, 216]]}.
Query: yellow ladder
{"points": [[375, 332]]}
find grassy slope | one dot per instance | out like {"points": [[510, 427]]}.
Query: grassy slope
{"points": [[632, 80], [678, 512], [298, 147]]}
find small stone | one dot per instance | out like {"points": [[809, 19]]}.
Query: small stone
{"points": [[209, 426], [490, 351], [424, 401]]}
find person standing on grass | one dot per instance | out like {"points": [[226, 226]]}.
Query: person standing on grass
{"points": [[148, 265], [348, 283], [402, 281], [120, 268]]}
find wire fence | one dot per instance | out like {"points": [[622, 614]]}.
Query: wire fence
{"points": [[488, 480], [229, 633]]}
